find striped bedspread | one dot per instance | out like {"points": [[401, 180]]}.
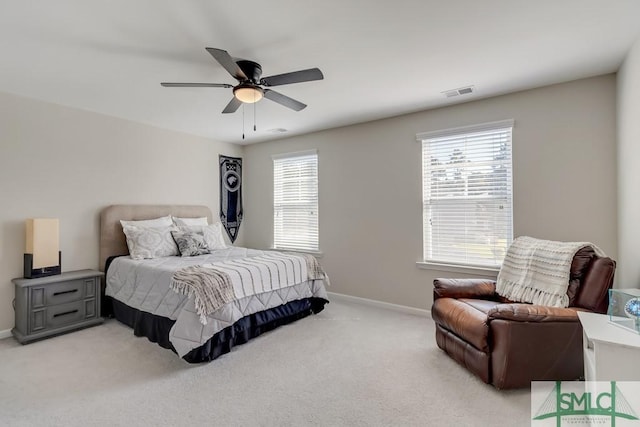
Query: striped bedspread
{"points": [[214, 285]]}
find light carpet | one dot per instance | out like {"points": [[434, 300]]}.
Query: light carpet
{"points": [[351, 365]]}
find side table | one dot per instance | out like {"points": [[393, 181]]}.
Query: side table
{"points": [[611, 353], [53, 305]]}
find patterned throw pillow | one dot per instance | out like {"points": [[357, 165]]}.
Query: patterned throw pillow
{"points": [[212, 235], [190, 243], [150, 242]]}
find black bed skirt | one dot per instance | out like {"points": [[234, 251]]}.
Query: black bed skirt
{"points": [[156, 328]]}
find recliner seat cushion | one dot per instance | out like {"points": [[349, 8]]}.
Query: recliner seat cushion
{"points": [[483, 305]]}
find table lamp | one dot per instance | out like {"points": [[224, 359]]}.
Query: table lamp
{"points": [[42, 256]]}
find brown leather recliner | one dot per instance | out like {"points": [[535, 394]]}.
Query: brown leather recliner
{"points": [[511, 344]]}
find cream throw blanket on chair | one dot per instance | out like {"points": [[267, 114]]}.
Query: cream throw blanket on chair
{"points": [[537, 271]]}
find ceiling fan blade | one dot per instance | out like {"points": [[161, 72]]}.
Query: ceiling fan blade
{"points": [[284, 100], [294, 77], [196, 85], [232, 106], [223, 57]]}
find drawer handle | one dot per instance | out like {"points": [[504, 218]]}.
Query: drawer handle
{"points": [[55, 294], [65, 313]]}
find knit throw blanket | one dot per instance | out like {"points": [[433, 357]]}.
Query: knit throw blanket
{"points": [[537, 271], [210, 288], [314, 271], [214, 285]]}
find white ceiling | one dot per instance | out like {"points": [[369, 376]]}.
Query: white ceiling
{"points": [[379, 59]]}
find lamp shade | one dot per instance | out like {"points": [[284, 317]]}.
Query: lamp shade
{"points": [[43, 241]]}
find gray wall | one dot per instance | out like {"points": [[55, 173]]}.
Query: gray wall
{"points": [[564, 163], [68, 164], [628, 271]]}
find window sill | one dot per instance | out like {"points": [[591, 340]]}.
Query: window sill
{"points": [[453, 268], [317, 254]]}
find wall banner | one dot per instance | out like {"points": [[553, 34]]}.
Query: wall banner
{"points": [[231, 194]]}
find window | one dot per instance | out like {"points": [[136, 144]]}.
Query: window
{"points": [[467, 195], [295, 201]]}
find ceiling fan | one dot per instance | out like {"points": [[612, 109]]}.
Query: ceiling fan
{"points": [[250, 83]]}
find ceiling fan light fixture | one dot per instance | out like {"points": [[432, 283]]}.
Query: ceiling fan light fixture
{"points": [[248, 93]]}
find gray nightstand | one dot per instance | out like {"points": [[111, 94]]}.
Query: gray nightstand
{"points": [[56, 304]]}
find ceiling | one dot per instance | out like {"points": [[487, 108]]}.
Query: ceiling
{"points": [[379, 59]]}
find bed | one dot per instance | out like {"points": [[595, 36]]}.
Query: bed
{"points": [[139, 293]]}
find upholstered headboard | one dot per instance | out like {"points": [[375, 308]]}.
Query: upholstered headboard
{"points": [[112, 239]]}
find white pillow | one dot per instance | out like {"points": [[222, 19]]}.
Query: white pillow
{"points": [[164, 221], [150, 242], [212, 235], [187, 222]]}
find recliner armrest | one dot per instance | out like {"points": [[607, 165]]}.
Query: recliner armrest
{"points": [[463, 288], [534, 313]]}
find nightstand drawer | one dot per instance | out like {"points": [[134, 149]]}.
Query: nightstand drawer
{"points": [[63, 292], [62, 314]]}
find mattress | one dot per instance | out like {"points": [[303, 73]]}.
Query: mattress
{"points": [[144, 286]]}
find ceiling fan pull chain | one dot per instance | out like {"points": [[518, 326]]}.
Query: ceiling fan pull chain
{"points": [[242, 121], [254, 114]]}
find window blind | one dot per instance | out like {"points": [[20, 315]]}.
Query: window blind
{"points": [[467, 195], [295, 201]]}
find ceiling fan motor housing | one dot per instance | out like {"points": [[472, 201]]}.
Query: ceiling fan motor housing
{"points": [[251, 69]]}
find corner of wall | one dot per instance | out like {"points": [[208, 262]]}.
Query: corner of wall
{"points": [[628, 156]]}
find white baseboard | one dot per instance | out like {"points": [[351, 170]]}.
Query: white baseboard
{"points": [[380, 304], [5, 334]]}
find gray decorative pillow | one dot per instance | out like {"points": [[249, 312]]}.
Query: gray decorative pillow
{"points": [[190, 243], [150, 242]]}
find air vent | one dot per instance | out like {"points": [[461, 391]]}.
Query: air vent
{"points": [[460, 91]]}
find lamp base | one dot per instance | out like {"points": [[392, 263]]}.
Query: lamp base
{"points": [[31, 273]]}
